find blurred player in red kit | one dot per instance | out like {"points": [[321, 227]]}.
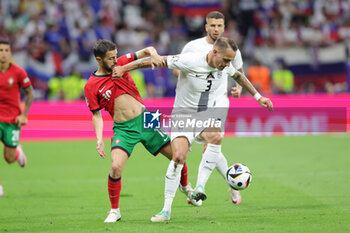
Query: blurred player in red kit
{"points": [[12, 78]]}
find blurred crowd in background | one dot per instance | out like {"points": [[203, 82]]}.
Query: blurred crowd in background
{"points": [[53, 39]]}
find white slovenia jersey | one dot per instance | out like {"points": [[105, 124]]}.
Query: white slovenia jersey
{"points": [[198, 83], [201, 45]]}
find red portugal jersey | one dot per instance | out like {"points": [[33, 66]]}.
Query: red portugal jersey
{"points": [[10, 82], [101, 90]]}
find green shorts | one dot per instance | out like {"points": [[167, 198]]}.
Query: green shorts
{"points": [[9, 134], [128, 133]]}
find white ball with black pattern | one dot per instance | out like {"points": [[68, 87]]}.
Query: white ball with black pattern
{"points": [[238, 176]]}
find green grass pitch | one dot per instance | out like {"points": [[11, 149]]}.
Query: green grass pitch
{"points": [[300, 184]]}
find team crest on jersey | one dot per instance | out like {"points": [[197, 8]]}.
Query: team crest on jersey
{"points": [[11, 81], [117, 141], [210, 76], [219, 74], [26, 80]]}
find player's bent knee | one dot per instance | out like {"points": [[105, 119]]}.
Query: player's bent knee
{"points": [[214, 138], [167, 152], [218, 138], [116, 169], [179, 157]]}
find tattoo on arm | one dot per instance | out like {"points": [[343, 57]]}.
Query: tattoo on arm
{"points": [[242, 71], [143, 63], [242, 80]]}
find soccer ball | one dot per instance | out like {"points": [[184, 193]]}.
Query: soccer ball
{"points": [[238, 176]]}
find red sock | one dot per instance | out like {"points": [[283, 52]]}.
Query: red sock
{"points": [[183, 179], [114, 188]]}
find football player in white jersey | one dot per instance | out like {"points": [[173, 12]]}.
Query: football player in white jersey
{"points": [[215, 26], [200, 78]]}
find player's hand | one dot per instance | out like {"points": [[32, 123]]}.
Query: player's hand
{"points": [[236, 91], [21, 120], [266, 103], [117, 72], [156, 60], [100, 147]]}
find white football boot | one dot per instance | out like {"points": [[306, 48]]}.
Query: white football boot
{"points": [[22, 159], [199, 193], [188, 191], [113, 216], [163, 216]]}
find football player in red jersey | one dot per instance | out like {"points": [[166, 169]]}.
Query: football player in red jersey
{"points": [[12, 78], [122, 100]]}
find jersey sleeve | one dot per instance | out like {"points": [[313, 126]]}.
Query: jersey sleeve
{"points": [[91, 99], [127, 58], [23, 78], [230, 70], [181, 62], [238, 61]]}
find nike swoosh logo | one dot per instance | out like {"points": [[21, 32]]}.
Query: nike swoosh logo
{"points": [[102, 89], [209, 161], [169, 178]]}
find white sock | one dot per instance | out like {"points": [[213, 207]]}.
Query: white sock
{"points": [[172, 181], [221, 165], [115, 210], [208, 163]]}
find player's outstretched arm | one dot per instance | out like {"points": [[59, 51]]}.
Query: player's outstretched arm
{"points": [[97, 122], [242, 80], [150, 51], [237, 90], [146, 62], [22, 118]]}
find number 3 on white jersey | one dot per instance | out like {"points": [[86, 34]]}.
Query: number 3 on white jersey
{"points": [[209, 82]]}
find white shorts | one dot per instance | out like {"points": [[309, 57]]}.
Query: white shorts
{"points": [[189, 123], [223, 103], [191, 136]]}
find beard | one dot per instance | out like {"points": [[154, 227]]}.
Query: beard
{"points": [[3, 59], [107, 68], [213, 38]]}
